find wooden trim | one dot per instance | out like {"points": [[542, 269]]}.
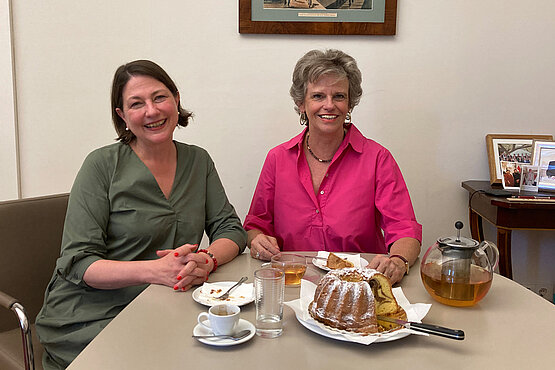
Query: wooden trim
{"points": [[388, 27]]}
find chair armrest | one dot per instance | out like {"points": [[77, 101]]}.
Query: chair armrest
{"points": [[13, 304], [7, 300]]}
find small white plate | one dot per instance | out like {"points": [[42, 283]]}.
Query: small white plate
{"points": [[222, 342], [320, 263], [209, 301]]}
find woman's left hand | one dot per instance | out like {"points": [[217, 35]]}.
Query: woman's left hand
{"points": [[393, 268]]}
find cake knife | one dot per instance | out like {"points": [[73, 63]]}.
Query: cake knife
{"points": [[427, 328]]}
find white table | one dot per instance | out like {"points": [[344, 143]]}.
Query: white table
{"points": [[511, 328]]}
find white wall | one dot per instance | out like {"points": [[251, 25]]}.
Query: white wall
{"points": [[8, 152], [456, 71]]}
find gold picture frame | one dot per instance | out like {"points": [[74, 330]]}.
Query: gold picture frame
{"points": [[497, 143]]}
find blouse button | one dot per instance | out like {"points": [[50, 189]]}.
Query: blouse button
{"points": [[317, 211], [321, 192]]}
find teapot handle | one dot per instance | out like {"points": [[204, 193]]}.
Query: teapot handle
{"points": [[493, 253]]}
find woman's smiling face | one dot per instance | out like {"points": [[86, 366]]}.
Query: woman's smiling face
{"points": [[326, 103], [149, 110]]}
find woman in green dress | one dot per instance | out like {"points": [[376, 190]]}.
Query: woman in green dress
{"points": [[137, 211]]}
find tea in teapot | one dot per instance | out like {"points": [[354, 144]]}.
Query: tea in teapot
{"points": [[458, 271]]}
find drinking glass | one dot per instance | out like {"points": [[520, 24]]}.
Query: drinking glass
{"points": [[293, 266], [269, 286]]}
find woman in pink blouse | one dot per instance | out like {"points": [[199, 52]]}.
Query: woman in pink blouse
{"points": [[330, 188]]}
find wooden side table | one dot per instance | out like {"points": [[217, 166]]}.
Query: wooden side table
{"points": [[506, 216]]}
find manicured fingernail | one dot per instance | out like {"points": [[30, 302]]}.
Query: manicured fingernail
{"points": [[206, 260], [175, 287], [176, 254], [206, 277], [179, 277], [195, 245], [183, 289]]}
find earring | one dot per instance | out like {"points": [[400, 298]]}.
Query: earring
{"points": [[303, 119], [126, 128], [347, 120]]}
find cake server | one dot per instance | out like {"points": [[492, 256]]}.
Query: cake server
{"points": [[427, 328]]}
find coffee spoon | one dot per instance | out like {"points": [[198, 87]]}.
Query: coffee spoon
{"points": [[240, 335]]}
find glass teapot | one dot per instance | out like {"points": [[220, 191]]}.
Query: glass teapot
{"points": [[458, 271]]}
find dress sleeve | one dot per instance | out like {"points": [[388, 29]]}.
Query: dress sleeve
{"points": [[261, 212], [221, 219], [88, 212], [396, 214]]}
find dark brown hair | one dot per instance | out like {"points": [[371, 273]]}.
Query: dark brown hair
{"points": [[122, 76]]}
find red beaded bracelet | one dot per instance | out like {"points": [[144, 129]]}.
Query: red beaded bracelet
{"points": [[211, 256]]}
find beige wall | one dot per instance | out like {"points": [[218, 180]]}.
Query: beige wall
{"points": [[456, 71]]}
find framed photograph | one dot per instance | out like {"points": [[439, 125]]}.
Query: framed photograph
{"points": [[511, 175], [529, 178], [546, 169], [536, 151], [318, 17], [509, 148]]}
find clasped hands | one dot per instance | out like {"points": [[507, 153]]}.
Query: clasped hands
{"points": [[263, 247], [181, 268]]}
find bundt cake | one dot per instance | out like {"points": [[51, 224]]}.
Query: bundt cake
{"points": [[336, 262], [351, 298]]}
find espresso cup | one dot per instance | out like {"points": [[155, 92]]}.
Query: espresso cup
{"points": [[222, 319]]}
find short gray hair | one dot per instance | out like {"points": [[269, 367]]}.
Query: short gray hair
{"points": [[317, 63]]}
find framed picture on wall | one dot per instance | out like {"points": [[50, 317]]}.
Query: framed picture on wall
{"points": [[318, 17], [516, 149]]}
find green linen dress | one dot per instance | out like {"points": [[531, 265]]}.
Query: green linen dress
{"points": [[117, 211]]}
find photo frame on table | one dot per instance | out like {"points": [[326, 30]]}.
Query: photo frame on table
{"points": [[529, 178], [316, 17], [510, 148], [546, 168], [511, 175], [536, 151]]}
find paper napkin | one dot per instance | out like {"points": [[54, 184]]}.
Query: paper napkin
{"points": [[241, 294]]}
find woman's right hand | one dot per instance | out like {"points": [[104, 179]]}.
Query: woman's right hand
{"points": [[180, 268], [263, 247]]}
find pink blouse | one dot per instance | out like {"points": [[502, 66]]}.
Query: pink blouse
{"points": [[362, 193]]}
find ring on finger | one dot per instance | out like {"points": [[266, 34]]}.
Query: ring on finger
{"points": [[257, 255]]}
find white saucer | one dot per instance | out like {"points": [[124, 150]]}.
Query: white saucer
{"points": [[242, 325], [209, 301]]}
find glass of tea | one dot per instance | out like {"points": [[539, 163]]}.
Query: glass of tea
{"points": [[293, 266]]}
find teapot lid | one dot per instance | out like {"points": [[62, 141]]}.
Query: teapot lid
{"points": [[458, 241]]}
